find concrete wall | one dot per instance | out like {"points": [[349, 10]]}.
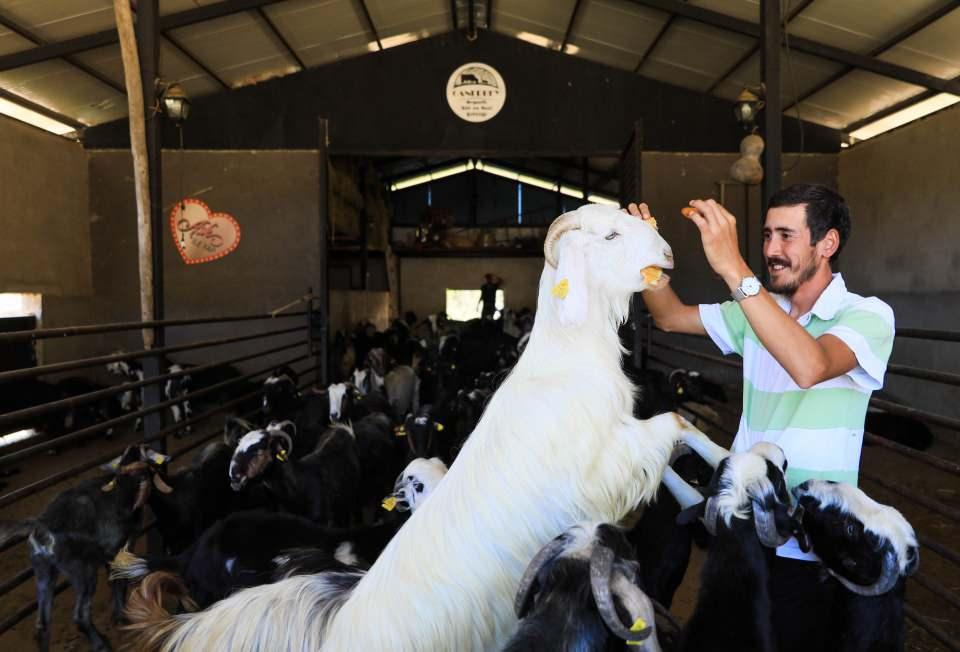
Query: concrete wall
{"points": [[273, 195], [424, 281], [45, 239], [903, 192]]}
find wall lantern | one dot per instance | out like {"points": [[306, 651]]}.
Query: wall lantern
{"points": [[176, 104], [749, 103]]}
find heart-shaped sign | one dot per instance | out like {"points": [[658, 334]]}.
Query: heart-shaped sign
{"points": [[201, 235]]}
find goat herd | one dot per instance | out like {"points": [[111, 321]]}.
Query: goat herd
{"points": [[564, 521]]}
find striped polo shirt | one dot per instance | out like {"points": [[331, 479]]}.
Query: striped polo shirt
{"points": [[820, 429]]}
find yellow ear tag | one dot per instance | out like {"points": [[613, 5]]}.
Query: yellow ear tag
{"points": [[638, 626], [651, 274], [679, 391], [389, 503], [400, 431], [282, 455], [439, 427], [561, 289]]}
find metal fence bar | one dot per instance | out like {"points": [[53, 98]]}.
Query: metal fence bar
{"points": [[103, 425], [941, 377], [930, 417], [698, 354], [925, 458], [932, 629], [30, 372], [93, 329], [82, 399], [11, 542], [940, 549], [935, 587], [56, 478], [16, 581], [933, 505], [929, 334]]}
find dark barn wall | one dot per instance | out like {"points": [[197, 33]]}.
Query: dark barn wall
{"points": [[394, 101], [274, 197], [904, 197], [45, 243]]}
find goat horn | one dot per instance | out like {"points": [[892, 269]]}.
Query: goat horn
{"points": [[765, 524], [684, 494], [287, 438], [889, 575], [566, 222], [161, 485], [710, 515], [521, 603], [601, 570]]}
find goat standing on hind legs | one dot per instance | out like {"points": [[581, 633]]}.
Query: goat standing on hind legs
{"points": [[557, 444]]}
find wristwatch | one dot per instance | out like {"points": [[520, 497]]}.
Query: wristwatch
{"points": [[749, 287]]}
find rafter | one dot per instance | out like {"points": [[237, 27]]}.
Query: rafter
{"points": [[65, 48], [573, 18], [807, 46], [279, 35], [369, 19], [199, 64], [42, 110], [655, 42]]}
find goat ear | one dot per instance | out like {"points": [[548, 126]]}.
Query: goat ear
{"points": [[112, 465], [570, 287]]}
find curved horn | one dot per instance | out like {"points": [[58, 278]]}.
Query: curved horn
{"points": [[287, 438], [889, 575], [710, 515], [766, 526], [521, 603], [566, 222], [601, 570]]}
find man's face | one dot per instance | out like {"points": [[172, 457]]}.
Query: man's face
{"points": [[790, 258]]}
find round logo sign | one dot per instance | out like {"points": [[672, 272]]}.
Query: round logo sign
{"points": [[476, 92]]}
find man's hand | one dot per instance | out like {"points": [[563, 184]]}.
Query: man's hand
{"points": [[638, 210], [718, 231]]}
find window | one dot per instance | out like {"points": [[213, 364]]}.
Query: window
{"points": [[20, 305], [464, 305], [18, 355]]}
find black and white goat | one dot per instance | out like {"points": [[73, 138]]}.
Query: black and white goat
{"points": [[79, 532], [250, 548], [749, 513], [583, 592], [321, 486], [869, 549]]}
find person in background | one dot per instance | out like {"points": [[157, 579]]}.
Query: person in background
{"points": [[488, 295]]}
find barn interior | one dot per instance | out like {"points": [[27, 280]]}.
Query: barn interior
{"points": [[325, 131]]}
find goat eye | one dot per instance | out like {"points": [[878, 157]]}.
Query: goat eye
{"points": [[851, 531], [611, 235], [418, 487]]}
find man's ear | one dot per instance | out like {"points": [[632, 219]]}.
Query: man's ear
{"points": [[570, 282], [829, 243]]}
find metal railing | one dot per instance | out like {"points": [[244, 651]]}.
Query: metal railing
{"points": [[296, 341], [948, 598]]}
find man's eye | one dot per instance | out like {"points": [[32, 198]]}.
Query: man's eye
{"points": [[611, 235]]}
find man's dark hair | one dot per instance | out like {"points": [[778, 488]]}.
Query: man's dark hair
{"points": [[826, 210]]}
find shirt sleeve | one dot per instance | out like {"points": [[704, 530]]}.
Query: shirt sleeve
{"points": [[868, 329], [726, 325]]}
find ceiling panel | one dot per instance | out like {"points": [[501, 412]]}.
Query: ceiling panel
{"points": [[176, 67], [857, 95], [748, 10], [400, 21], [10, 42], [538, 21], [615, 32], [694, 55], [65, 89], [57, 20], [105, 60], [176, 6], [934, 50], [215, 44], [858, 25], [322, 31], [807, 72]]}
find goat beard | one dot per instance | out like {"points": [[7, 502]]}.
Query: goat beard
{"points": [[143, 493]]}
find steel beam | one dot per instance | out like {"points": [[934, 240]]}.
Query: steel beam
{"points": [[42, 110], [746, 57], [807, 46], [573, 19], [890, 110], [926, 21], [655, 42], [16, 28], [109, 36], [199, 64], [276, 32]]}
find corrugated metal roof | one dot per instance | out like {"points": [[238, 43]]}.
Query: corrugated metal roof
{"points": [[636, 35]]}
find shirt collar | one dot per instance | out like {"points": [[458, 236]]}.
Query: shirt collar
{"points": [[827, 304]]}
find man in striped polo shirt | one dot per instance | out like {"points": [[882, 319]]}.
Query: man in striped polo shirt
{"points": [[812, 351]]}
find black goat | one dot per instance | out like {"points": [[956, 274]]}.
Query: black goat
{"points": [[81, 530], [583, 592], [869, 549], [322, 486], [748, 512]]}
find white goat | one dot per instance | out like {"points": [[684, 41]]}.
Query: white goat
{"points": [[557, 444]]}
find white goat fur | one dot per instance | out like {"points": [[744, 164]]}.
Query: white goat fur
{"points": [[558, 444]]}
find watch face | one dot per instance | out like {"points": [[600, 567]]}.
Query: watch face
{"points": [[750, 285]]}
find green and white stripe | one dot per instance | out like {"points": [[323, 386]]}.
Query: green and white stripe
{"points": [[821, 428]]}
